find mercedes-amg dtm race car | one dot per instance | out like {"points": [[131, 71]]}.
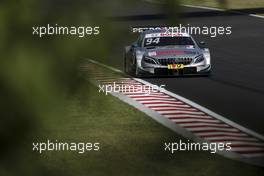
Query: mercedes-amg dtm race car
{"points": [[159, 52]]}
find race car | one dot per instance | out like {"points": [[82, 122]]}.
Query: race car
{"points": [[163, 52]]}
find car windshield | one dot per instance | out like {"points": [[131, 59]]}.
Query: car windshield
{"points": [[165, 41]]}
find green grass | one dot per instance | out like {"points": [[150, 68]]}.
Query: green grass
{"points": [[131, 143]]}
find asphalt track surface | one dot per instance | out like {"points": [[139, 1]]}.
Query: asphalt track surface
{"points": [[236, 88]]}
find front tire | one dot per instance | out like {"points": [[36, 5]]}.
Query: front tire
{"points": [[125, 64], [136, 71]]}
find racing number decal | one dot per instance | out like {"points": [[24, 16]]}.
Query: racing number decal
{"points": [[175, 66], [149, 41]]}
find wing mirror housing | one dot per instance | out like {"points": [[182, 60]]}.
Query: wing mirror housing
{"points": [[202, 43], [134, 45]]}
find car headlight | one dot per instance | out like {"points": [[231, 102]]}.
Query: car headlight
{"points": [[199, 58], [149, 60], [207, 56]]}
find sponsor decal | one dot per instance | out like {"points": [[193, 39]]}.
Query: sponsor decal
{"points": [[152, 53], [170, 52], [167, 34], [175, 66]]}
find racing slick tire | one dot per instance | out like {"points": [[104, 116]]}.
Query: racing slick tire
{"points": [[136, 72], [125, 65], [132, 70]]}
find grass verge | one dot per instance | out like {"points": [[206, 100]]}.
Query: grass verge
{"points": [[131, 143]]}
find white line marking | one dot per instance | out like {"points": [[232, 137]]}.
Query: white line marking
{"points": [[207, 8], [257, 16], [187, 116], [177, 111], [153, 98], [167, 105], [171, 108], [121, 83], [211, 128], [203, 7], [149, 96], [219, 134], [231, 137], [188, 125], [153, 102], [193, 119], [142, 93], [106, 66], [218, 9]]}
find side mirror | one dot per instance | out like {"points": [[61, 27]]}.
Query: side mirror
{"points": [[202, 43], [134, 45]]}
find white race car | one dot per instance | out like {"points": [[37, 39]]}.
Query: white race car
{"points": [[159, 52]]}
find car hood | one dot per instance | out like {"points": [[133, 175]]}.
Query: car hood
{"points": [[173, 52]]}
